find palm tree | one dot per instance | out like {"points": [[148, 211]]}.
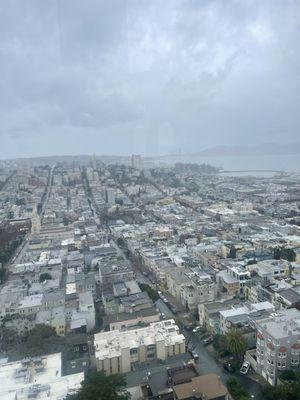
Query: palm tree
{"points": [[236, 344]]}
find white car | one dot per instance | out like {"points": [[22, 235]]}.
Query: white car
{"points": [[245, 367]]}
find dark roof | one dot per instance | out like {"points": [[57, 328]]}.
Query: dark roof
{"points": [[77, 338], [181, 374], [136, 299], [146, 312], [290, 295], [81, 364]]}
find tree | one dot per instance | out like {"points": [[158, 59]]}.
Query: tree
{"points": [[285, 254], [235, 343], [252, 262], [45, 277], [232, 252], [39, 340], [286, 391], [8, 338], [237, 390], [98, 386], [151, 292], [220, 344], [288, 254], [288, 375], [2, 274]]}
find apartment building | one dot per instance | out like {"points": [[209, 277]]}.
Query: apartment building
{"points": [[278, 344], [191, 287], [233, 280], [121, 351]]}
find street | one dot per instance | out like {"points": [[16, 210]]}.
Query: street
{"points": [[207, 362]]}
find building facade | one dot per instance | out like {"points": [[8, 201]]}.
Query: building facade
{"points": [[121, 351], [278, 344]]}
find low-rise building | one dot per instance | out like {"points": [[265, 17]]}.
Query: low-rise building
{"points": [[37, 377], [208, 387], [120, 351]]}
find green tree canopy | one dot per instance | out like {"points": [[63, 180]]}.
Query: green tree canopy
{"points": [[237, 390], [235, 343], [45, 277], [98, 386], [151, 292], [284, 253], [232, 252], [287, 391]]}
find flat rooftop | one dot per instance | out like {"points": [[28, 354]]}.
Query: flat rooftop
{"points": [[283, 324], [40, 376], [109, 344]]}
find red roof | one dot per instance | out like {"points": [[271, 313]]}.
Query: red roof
{"points": [[260, 336], [282, 349], [296, 346]]}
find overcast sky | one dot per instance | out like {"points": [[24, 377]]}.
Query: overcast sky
{"points": [[153, 77]]}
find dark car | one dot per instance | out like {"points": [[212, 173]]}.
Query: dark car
{"points": [[194, 355], [208, 340], [173, 309], [228, 367], [188, 327]]}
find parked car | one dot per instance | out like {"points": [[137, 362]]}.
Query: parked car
{"points": [[196, 329], [207, 340], [245, 367], [228, 367], [188, 327], [173, 309], [194, 355]]}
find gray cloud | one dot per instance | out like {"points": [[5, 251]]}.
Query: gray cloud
{"points": [[153, 77]]}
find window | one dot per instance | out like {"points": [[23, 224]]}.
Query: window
{"points": [[281, 355], [133, 351]]}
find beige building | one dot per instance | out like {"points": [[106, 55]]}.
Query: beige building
{"points": [[191, 288], [118, 351]]}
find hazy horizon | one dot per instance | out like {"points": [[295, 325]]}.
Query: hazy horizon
{"points": [[121, 77]]}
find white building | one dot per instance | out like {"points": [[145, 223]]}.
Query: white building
{"points": [[87, 308], [136, 161], [278, 347], [38, 378], [117, 351], [110, 196]]}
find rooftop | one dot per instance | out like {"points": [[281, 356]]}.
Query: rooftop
{"points": [[109, 344], [39, 376], [282, 325], [207, 387]]}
